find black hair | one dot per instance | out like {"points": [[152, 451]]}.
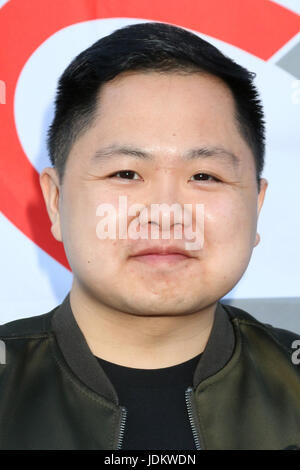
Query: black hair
{"points": [[148, 47]]}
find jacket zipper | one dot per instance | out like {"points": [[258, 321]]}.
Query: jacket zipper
{"points": [[122, 427], [188, 399]]}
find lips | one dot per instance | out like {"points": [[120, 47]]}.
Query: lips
{"points": [[162, 256], [163, 251]]}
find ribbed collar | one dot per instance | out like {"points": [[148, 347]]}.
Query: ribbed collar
{"points": [[86, 367]]}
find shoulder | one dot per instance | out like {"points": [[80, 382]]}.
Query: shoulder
{"points": [[284, 338], [28, 338], [37, 325]]}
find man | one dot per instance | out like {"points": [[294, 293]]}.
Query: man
{"points": [[141, 354]]}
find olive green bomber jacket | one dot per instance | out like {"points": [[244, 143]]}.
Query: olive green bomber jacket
{"points": [[54, 394]]}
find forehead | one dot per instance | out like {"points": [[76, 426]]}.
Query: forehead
{"points": [[160, 105], [166, 114], [194, 89]]}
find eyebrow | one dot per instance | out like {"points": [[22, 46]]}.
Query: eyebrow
{"points": [[115, 150]]}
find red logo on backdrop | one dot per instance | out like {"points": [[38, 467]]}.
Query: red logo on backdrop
{"points": [[259, 27]]}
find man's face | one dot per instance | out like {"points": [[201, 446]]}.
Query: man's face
{"points": [[165, 115]]}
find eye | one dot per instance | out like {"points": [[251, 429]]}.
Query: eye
{"points": [[205, 177], [126, 174]]}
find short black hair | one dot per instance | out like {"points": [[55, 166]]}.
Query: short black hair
{"points": [[148, 47]]}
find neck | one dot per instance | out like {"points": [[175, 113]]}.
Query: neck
{"points": [[140, 341]]}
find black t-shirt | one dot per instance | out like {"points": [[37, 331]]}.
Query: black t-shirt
{"points": [[157, 417]]}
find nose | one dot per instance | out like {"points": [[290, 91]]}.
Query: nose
{"points": [[164, 201], [165, 215]]}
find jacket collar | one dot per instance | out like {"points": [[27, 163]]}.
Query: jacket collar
{"points": [[86, 367]]}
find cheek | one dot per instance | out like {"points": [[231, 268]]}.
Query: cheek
{"points": [[79, 222], [230, 221]]}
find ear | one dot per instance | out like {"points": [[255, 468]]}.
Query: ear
{"points": [[260, 200], [50, 186]]}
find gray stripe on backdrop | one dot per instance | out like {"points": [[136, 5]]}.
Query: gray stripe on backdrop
{"points": [[291, 61], [281, 312]]}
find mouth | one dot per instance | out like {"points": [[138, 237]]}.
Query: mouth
{"points": [[161, 258]]}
